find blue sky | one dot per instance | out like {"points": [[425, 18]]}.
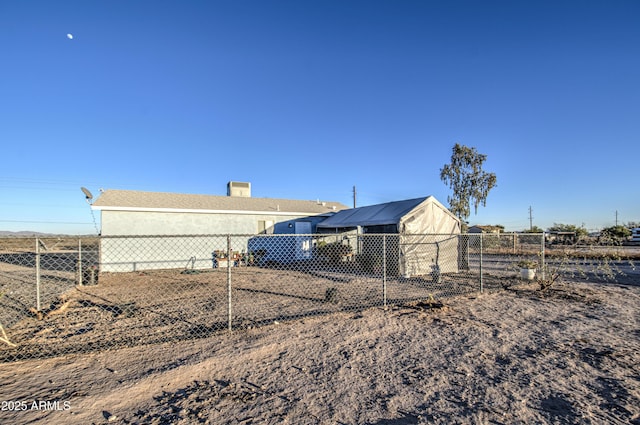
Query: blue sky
{"points": [[306, 99]]}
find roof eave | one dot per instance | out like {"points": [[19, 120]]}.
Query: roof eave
{"points": [[204, 211]]}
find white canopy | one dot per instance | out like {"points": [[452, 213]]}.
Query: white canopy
{"points": [[412, 216], [428, 232]]}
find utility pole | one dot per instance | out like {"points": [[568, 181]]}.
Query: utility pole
{"points": [[354, 196], [530, 219], [616, 218]]}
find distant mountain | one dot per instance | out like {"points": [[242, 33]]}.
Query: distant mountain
{"points": [[32, 234], [23, 233]]}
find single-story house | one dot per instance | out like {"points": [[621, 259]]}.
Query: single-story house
{"points": [[485, 229], [428, 234], [170, 220]]}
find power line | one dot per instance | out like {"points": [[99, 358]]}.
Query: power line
{"points": [[43, 181], [42, 222], [36, 203]]}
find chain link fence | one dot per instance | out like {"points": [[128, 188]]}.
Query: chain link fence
{"points": [[65, 295]]}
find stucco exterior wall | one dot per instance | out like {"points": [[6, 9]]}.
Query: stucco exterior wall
{"points": [[161, 239], [178, 223]]}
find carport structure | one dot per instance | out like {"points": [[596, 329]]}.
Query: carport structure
{"points": [[428, 234]]}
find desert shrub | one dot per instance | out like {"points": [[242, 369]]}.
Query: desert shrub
{"points": [[370, 262], [333, 251], [566, 264], [527, 264]]}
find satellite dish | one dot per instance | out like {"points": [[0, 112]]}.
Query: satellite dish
{"points": [[89, 197], [87, 194]]}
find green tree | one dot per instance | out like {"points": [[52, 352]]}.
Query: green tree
{"points": [[559, 227], [470, 184], [614, 235], [534, 229]]}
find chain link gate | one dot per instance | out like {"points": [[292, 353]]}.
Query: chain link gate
{"points": [[66, 295]]}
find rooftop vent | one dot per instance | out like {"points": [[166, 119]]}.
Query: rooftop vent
{"points": [[241, 189]]}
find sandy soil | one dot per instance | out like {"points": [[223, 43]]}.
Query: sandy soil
{"points": [[151, 307], [571, 355]]}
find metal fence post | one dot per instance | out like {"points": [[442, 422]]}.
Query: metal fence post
{"points": [[481, 281], [79, 262], [384, 270], [229, 253], [38, 276], [542, 253]]}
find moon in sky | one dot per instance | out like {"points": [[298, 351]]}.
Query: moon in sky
{"points": [[70, 36]]}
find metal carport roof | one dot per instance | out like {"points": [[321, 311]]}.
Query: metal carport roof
{"points": [[372, 215]]}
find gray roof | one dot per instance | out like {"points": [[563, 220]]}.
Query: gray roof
{"points": [[372, 215], [132, 200]]}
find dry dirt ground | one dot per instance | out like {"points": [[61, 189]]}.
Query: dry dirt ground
{"points": [[570, 355], [150, 307]]}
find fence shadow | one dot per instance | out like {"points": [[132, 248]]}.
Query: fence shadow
{"points": [[53, 261], [171, 300]]}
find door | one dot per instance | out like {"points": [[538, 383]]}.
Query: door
{"points": [[303, 243]]}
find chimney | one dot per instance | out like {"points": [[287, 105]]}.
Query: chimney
{"points": [[240, 189]]}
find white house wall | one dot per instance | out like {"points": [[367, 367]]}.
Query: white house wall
{"points": [[136, 253], [147, 240], [178, 223]]}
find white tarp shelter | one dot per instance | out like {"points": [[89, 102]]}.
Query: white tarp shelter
{"points": [[428, 232]]}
